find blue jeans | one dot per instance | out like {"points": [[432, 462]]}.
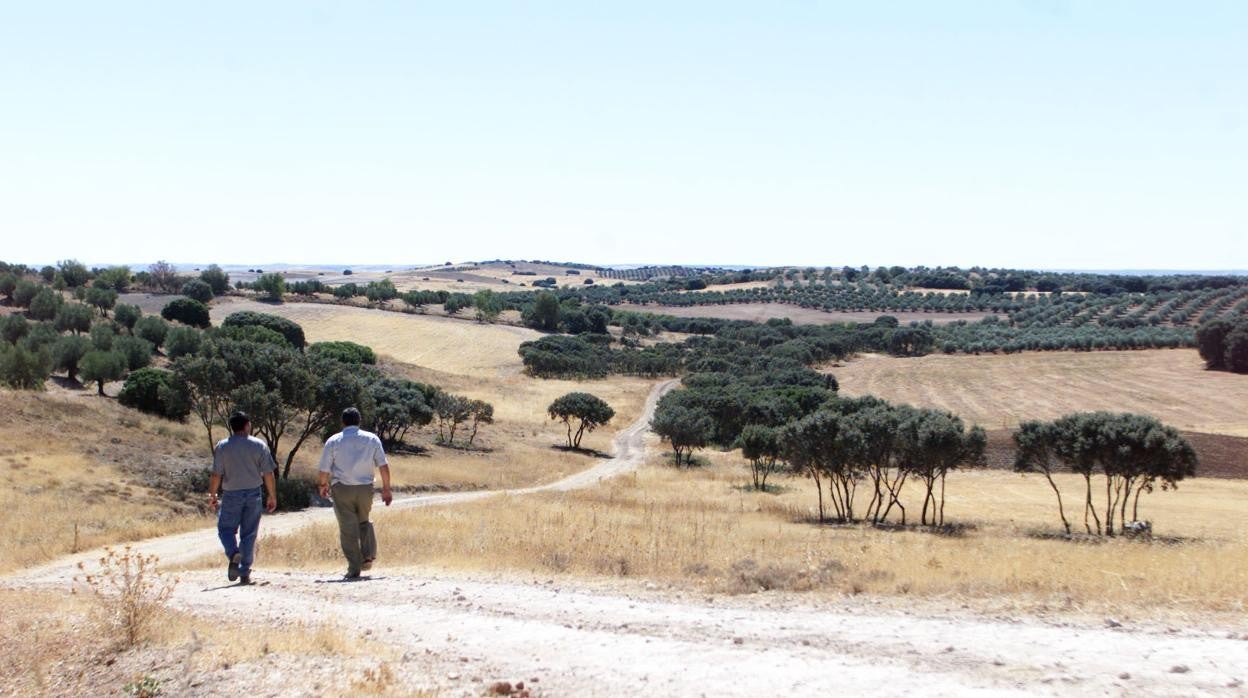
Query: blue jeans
{"points": [[238, 522]]}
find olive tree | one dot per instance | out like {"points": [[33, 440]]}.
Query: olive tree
{"points": [[686, 429], [760, 445], [582, 411], [102, 367]]}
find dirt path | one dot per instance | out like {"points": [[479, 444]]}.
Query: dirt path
{"points": [[461, 633]]}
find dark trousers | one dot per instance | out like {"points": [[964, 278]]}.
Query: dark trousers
{"points": [[352, 505]]}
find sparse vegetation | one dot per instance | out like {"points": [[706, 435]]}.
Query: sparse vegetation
{"points": [[130, 593]]}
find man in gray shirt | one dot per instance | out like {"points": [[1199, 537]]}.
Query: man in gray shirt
{"points": [[348, 461], [240, 464]]}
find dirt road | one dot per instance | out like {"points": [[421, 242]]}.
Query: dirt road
{"points": [[460, 634]]}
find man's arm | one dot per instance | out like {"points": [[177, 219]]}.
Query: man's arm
{"points": [[322, 485], [325, 466], [270, 484], [385, 483], [214, 486]]}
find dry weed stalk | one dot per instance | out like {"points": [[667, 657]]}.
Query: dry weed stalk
{"points": [[130, 590]]}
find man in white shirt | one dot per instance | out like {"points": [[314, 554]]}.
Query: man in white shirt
{"points": [[346, 470]]}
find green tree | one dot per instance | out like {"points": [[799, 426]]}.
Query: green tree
{"points": [[153, 329], [760, 445], [216, 278], [127, 315], [1236, 356], [684, 428], [13, 328], [1034, 443], [102, 367], [199, 290], [583, 411], [202, 383], [24, 368], [187, 311], [1211, 342], [344, 352], [114, 278], [482, 413], [24, 293], [73, 317], [272, 285], [74, 272], [138, 352], [181, 341], [394, 406], [283, 326], [102, 298], [163, 277], [544, 313], [68, 352], [8, 284], [488, 305], [148, 390], [102, 336], [451, 411], [46, 304], [378, 291]]}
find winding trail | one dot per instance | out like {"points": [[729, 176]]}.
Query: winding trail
{"points": [[459, 633]]}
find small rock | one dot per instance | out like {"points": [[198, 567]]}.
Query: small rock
{"points": [[453, 676], [1125, 676], [1234, 683], [501, 688], [1111, 623], [949, 649], [1179, 669], [738, 641]]}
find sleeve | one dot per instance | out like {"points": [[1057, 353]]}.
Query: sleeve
{"points": [[379, 453], [267, 463], [327, 457], [218, 463]]}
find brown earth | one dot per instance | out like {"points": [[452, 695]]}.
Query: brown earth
{"points": [[1219, 455]]}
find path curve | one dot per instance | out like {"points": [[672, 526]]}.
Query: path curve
{"points": [[629, 453]]}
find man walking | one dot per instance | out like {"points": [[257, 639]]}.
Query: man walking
{"points": [[240, 463], [347, 462]]}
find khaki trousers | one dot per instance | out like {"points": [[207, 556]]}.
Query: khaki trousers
{"points": [[352, 505]]}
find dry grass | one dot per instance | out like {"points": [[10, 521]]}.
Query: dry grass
{"points": [[999, 391], [50, 646], [71, 466], [702, 528]]}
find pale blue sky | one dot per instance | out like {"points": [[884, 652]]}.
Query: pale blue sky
{"points": [[1036, 133]]}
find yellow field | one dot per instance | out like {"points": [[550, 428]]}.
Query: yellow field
{"points": [[997, 391], [701, 528], [471, 359], [60, 458]]}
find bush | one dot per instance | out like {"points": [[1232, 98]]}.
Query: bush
{"points": [[102, 367], [13, 328], [287, 328], [216, 279], [126, 315], [67, 352], [46, 304], [187, 311], [273, 286], [147, 389], [181, 341], [24, 293], [294, 493], [73, 317], [138, 351], [153, 329], [23, 368], [345, 352], [130, 591], [198, 290]]}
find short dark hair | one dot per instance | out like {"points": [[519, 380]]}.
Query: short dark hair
{"points": [[351, 417], [238, 420]]}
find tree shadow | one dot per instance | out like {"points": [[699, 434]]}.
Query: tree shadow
{"points": [[580, 451], [1078, 538], [475, 448], [68, 383], [410, 450], [767, 489]]}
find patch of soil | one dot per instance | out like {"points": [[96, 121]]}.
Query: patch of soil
{"points": [[1219, 455]]}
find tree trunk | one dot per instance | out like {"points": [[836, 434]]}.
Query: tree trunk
{"points": [[814, 475], [579, 433], [1061, 511], [1109, 507], [942, 498], [1135, 508], [1089, 507]]}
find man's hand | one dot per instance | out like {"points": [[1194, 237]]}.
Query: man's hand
{"points": [[271, 505], [212, 503], [323, 490], [386, 496]]}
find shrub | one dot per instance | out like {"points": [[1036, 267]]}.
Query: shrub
{"points": [[67, 352], [13, 328], [102, 367], [127, 315], [147, 390], [45, 304], [130, 592], [287, 328], [294, 493], [24, 293], [199, 290], [23, 368], [187, 311], [181, 341], [153, 329], [273, 286], [216, 279], [138, 351], [345, 352]]}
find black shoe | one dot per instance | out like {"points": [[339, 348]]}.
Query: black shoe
{"points": [[232, 571], [244, 579], [351, 574]]}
